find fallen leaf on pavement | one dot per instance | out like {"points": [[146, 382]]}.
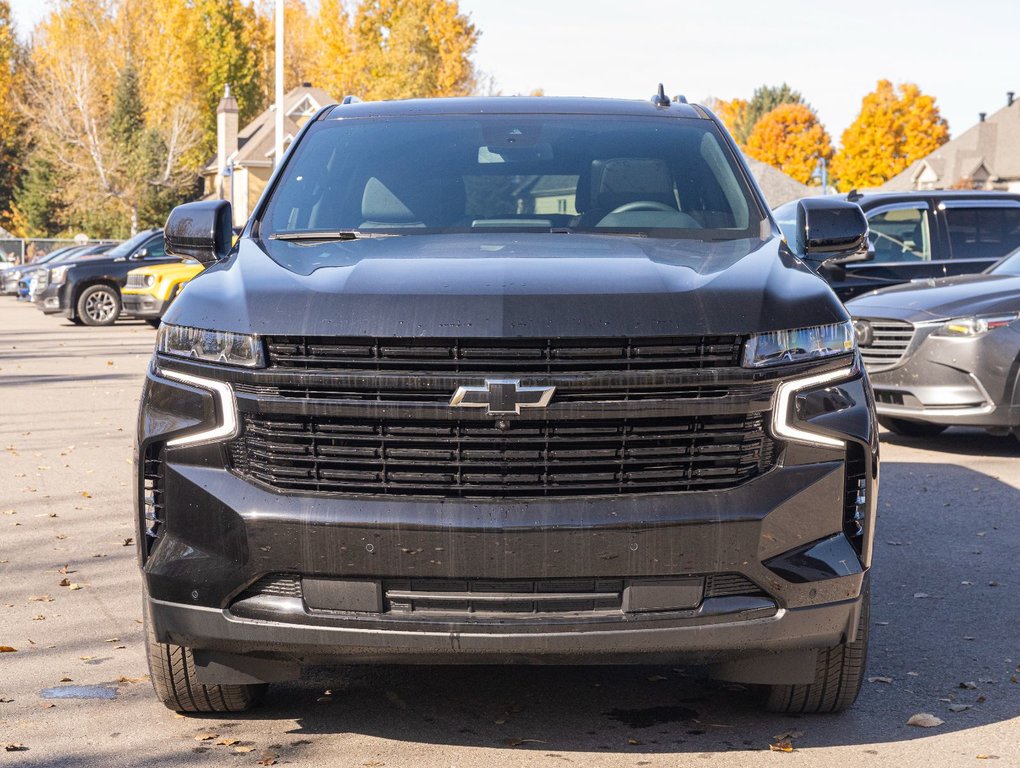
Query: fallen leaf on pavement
{"points": [[206, 736], [128, 541], [925, 720], [7, 649], [227, 742], [987, 757], [244, 748], [42, 599], [268, 758], [513, 741], [879, 679], [782, 746], [969, 686], [112, 640], [10, 746], [133, 679], [633, 742], [66, 680], [86, 494], [64, 583], [921, 595], [73, 586], [959, 707]]}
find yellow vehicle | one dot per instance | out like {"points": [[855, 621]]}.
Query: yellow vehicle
{"points": [[150, 290]]}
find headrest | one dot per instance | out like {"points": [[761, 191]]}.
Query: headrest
{"points": [[622, 180], [432, 201]]}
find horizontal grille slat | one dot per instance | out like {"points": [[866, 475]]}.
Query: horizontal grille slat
{"points": [[321, 454]]}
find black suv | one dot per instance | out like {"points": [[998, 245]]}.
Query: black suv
{"points": [[88, 291], [922, 235], [508, 381]]}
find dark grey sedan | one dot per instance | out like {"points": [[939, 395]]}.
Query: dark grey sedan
{"points": [[945, 352]]}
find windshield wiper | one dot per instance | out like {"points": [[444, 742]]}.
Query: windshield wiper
{"points": [[324, 236]]}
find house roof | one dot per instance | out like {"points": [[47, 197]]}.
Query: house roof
{"points": [[993, 143], [257, 140], [777, 186]]}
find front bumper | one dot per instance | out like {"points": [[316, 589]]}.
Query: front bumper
{"points": [[219, 535], [52, 299], [143, 305], [954, 381]]}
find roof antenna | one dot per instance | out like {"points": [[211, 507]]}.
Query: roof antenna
{"points": [[660, 99]]}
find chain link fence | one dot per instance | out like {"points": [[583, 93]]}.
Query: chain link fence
{"points": [[24, 251]]}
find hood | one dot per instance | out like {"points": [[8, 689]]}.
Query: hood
{"points": [[507, 285], [171, 270], [941, 299]]}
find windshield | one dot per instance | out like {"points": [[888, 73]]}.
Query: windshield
{"points": [[1010, 265], [128, 246], [664, 177]]}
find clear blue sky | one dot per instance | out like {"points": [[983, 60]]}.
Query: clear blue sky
{"points": [[966, 54]]}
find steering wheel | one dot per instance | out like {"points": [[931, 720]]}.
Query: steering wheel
{"points": [[643, 205]]}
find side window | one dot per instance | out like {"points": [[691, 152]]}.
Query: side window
{"points": [[156, 247], [983, 233], [900, 234]]}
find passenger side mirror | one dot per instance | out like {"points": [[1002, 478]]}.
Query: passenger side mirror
{"points": [[832, 231], [141, 253], [200, 231]]}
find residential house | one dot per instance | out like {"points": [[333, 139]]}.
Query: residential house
{"points": [[245, 158], [986, 156]]}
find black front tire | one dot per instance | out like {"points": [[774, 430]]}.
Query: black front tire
{"points": [[907, 428], [172, 671], [99, 305], [838, 675]]}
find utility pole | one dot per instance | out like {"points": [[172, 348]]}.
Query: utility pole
{"points": [[279, 81]]}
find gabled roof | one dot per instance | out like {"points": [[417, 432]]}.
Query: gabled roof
{"points": [[993, 144], [252, 138], [777, 186]]}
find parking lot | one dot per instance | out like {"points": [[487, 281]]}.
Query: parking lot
{"points": [[945, 612]]}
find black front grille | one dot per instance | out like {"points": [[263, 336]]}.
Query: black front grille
{"points": [[478, 459], [519, 356]]}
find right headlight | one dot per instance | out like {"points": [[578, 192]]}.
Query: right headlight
{"points": [[225, 347], [58, 275], [799, 344], [976, 325]]}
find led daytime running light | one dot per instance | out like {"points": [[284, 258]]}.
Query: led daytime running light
{"points": [[782, 424], [228, 407]]}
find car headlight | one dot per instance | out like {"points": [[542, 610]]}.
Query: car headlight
{"points": [[799, 344], [211, 346], [58, 275], [975, 326], [150, 280]]}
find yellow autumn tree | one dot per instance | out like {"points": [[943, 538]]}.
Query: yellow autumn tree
{"points": [[12, 66], [792, 139], [895, 127], [733, 114], [411, 48], [331, 67]]}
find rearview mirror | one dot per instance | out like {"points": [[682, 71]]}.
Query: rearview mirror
{"points": [[832, 231], [201, 231]]}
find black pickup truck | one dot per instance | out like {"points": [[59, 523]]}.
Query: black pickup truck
{"points": [[88, 291], [508, 381]]}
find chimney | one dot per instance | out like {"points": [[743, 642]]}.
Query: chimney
{"points": [[1009, 98], [982, 116], [226, 129]]}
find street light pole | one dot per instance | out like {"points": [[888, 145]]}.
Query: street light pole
{"points": [[279, 82]]}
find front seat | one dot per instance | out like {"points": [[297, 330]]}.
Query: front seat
{"points": [[618, 181]]}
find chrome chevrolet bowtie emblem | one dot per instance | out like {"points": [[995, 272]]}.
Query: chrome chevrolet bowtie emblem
{"points": [[502, 396]]}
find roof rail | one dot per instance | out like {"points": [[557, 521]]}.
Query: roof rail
{"points": [[679, 99], [350, 99]]}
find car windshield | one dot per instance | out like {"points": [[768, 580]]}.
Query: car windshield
{"points": [[1010, 265], [644, 176], [128, 246]]}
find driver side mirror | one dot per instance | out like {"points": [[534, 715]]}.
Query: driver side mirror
{"points": [[200, 231], [832, 231], [141, 253]]}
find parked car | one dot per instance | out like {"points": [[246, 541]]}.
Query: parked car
{"points": [[34, 283], [150, 290], [921, 235], [11, 276], [555, 390], [945, 352], [88, 290]]}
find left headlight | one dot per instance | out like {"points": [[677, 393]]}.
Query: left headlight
{"points": [[58, 275], [799, 344], [149, 280], [211, 346], [975, 326]]}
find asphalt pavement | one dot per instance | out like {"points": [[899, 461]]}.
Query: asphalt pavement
{"points": [[945, 612]]}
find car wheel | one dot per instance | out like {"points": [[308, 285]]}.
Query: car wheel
{"points": [[838, 675], [172, 671], [99, 305], [908, 428]]}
